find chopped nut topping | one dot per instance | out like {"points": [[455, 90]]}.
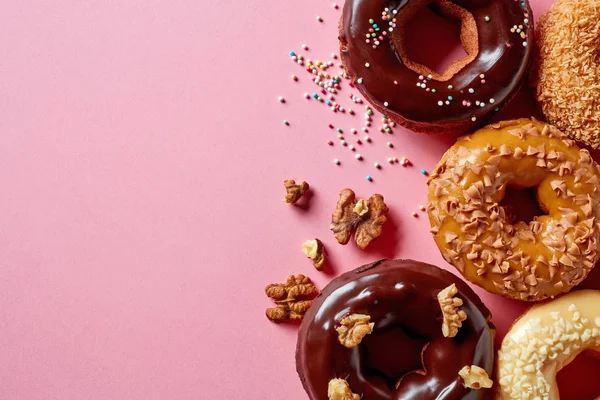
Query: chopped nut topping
{"points": [[353, 328], [365, 219], [293, 298], [315, 250], [294, 192], [475, 377], [452, 316], [339, 389]]}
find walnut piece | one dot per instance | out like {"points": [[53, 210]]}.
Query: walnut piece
{"points": [[353, 328], [294, 192], [452, 316], [293, 298], [315, 250], [475, 377], [339, 389], [364, 218]]}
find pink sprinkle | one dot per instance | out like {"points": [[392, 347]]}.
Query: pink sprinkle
{"points": [[374, 46], [427, 90], [395, 82], [420, 77], [384, 18], [380, 37], [384, 33], [483, 81], [508, 45]]}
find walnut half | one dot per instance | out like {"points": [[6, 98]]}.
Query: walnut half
{"points": [[292, 298], [338, 389], [315, 250], [293, 191], [364, 218], [475, 377], [353, 328], [452, 316]]}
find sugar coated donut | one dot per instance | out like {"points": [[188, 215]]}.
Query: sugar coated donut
{"points": [[567, 68], [527, 261], [396, 329], [544, 340], [496, 35]]}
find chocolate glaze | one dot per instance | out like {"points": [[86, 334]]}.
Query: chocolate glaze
{"points": [[401, 298], [504, 67]]}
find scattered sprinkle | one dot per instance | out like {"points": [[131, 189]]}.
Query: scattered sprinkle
{"points": [[330, 142], [487, 19], [319, 18], [367, 65], [304, 47], [369, 178], [422, 207], [390, 144], [376, 164], [285, 122], [358, 157], [414, 214], [336, 161], [423, 171], [281, 99]]}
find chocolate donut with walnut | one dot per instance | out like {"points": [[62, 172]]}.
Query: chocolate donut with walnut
{"points": [[527, 261]]}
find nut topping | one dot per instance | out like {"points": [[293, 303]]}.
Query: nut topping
{"points": [[338, 389], [353, 328], [452, 316], [475, 377]]}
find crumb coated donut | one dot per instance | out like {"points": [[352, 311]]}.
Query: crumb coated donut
{"points": [[567, 72], [527, 261], [495, 35], [401, 351], [543, 341]]}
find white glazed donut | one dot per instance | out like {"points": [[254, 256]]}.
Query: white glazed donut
{"points": [[544, 340]]}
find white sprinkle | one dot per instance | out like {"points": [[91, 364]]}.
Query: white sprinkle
{"points": [[335, 6], [385, 103], [351, 147], [471, 90], [524, 44], [440, 103], [306, 95], [473, 119], [281, 99], [336, 161], [429, 76], [376, 164], [359, 80], [492, 101], [367, 139], [305, 47], [367, 65], [358, 157]]}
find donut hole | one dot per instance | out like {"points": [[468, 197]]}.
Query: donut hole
{"points": [[521, 205], [584, 368], [447, 32], [393, 353]]}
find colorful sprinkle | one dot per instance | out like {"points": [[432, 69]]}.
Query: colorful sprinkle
{"points": [[358, 157], [281, 99], [285, 122], [414, 214], [487, 19], [424, 172], [369, 178], [376, 164], [390, 144], [422, 207], [336, 161], [319, 18]]}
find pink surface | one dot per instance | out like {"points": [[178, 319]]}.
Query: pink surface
{"points": [[141, 168]]}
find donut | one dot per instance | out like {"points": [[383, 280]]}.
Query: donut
{"points": [[494, 34], [566, 73], [543, 341], [395, 307], [475, 233]]}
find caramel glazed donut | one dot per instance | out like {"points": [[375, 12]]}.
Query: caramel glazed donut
{"points": [[497, 36], [527, 261], [543, 341], [396, 329]]}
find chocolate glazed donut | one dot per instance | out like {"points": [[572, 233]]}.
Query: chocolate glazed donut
{"points": [[406, 356], [497, 36]]}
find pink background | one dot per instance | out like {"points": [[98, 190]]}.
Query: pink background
{"points": [[141, 168]]}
